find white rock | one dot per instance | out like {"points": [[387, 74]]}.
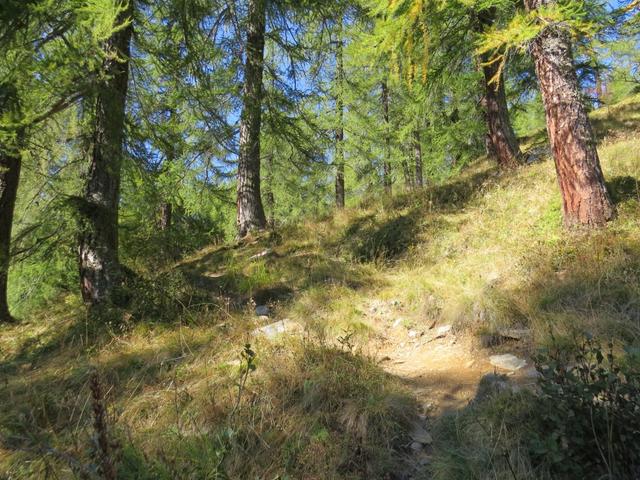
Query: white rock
{"points": [[442, 332], [507, 362], [262, 311], [397, 323], [264, 253], [274, 329], [414, 334]]}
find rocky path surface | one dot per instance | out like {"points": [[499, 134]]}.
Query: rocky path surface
{"points": [[441, 367]]}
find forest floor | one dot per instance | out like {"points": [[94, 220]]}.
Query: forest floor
{"points": [[395, 307]]}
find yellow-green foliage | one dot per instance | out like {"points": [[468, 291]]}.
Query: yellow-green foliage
{"points": [[483, 251]]}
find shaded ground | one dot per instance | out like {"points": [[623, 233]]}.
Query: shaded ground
{"points": [[483, 252]]}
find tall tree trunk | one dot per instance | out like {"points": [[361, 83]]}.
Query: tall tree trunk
{"points": [[166, 211], [585, 199], [386, 166], [9, 177], [406, 170], [250, 212], [417, 158], [503, 142], [600, 86], [339, 160], [100, 270], [269, 194]]}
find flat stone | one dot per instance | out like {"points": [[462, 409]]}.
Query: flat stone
{"points": [[277, 328], [443, 330], [262, 311], [508, 362], [414, 334], [397, 323]]}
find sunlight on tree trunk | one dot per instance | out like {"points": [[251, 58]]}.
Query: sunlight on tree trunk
{"points": [[250, 212], [100, 270], [417, 157], [503, 143], [585, 199], [386, 166], [339, 161], [166, 211]]}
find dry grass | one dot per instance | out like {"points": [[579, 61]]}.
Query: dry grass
{"points": [[483, 251]]}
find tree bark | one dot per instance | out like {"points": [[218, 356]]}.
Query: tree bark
{"points": [[585, 199], [269, 194], [100, 270], [250, 212], [166, 211], [386, 166], [339, 160], [10, 165], [504, 144], [417, 157]]}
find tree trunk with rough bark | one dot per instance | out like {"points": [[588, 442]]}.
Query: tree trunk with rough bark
{"points": [[585, 199], [406, 170], [504, 145], [417, 158], [250, 212], [166, 213], [100, 270], [386, 166], [339, 160], [270, 198], [10, 164]]}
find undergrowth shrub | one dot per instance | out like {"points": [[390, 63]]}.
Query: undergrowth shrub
{"points": [[587, 416], [161, 296], [369, 239], [582, 422]]}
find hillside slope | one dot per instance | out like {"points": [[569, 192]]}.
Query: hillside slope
{"points": [[193, 391]]}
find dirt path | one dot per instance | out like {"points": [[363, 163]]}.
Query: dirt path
{"points": [[440, 366]]}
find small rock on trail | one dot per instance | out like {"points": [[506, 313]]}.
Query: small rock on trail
{"points": [[508, 362], [274, 329]]}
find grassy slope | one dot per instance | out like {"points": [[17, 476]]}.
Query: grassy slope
{"points": [[482, 252]]}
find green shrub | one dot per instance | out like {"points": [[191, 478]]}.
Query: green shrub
{"points": [[587, 421]]}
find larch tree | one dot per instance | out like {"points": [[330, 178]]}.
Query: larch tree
{"points": [[585, 199], [417, 159], [387, 179], [339, 134], [43, 51], [250, 212], [546, 28], [10, 164], [100, 270], [430, 40], [503, 143]]}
